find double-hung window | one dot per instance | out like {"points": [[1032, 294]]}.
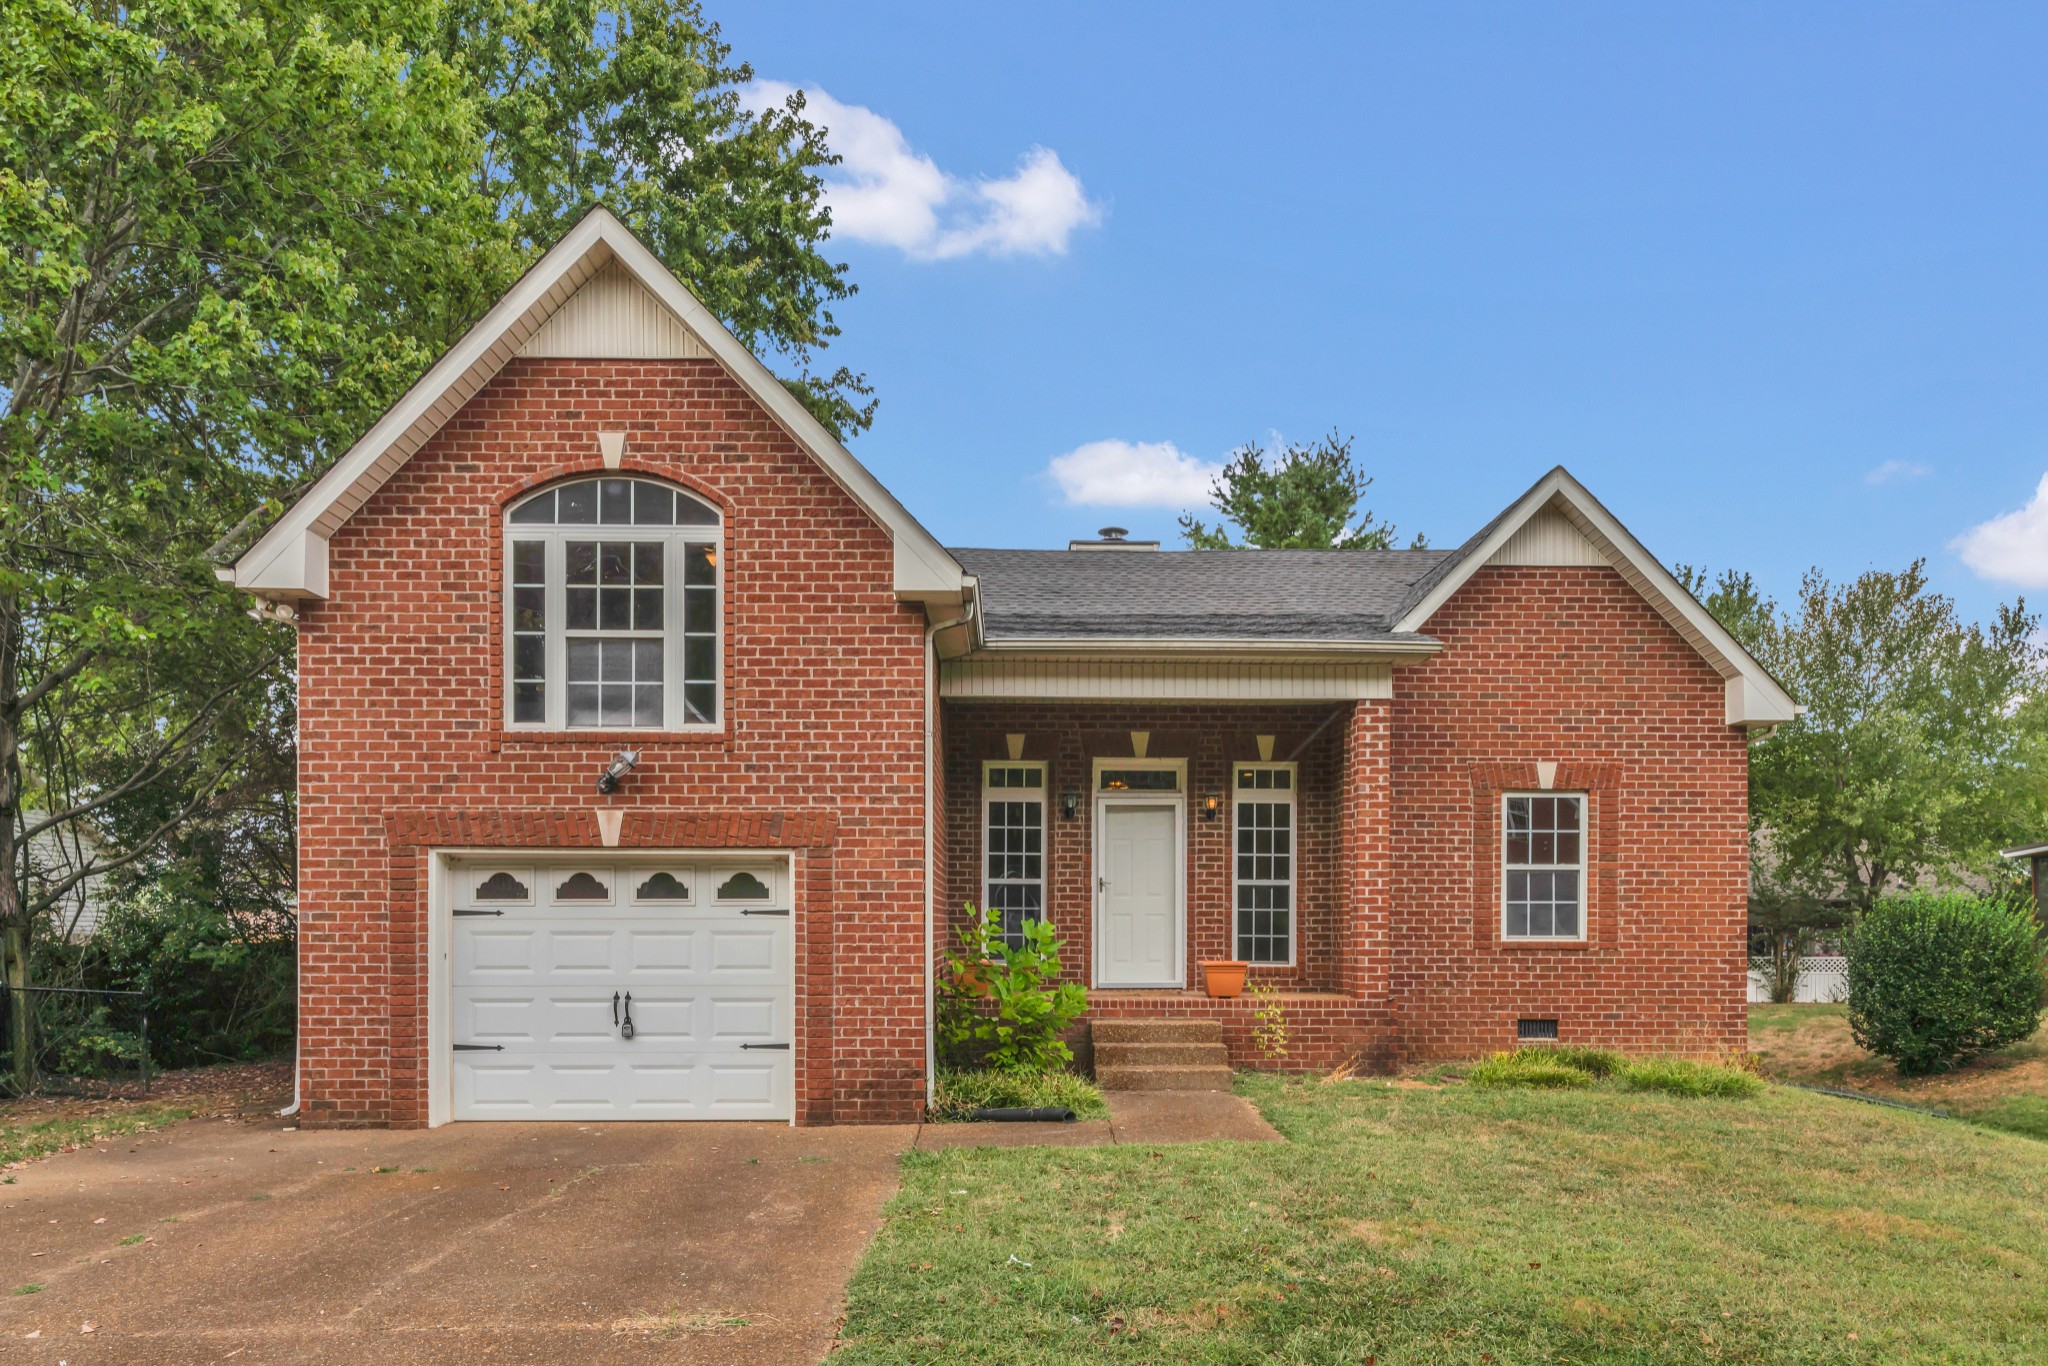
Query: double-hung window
{"points": [[1543, 866], [1013, 844], [612, 608], [1264, 814]]}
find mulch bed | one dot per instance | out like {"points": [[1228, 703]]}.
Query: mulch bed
{"points": [[241, 1089]]}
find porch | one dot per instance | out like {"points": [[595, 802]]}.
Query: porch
{"points": [[1159, 835]]}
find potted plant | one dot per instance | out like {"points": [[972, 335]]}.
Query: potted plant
{"points": [[1224, 978]]}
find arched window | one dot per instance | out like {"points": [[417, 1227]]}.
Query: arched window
{"points": [[611, 609]]}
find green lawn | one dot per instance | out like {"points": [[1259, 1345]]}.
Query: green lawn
{"points": [[1475, 1225], [1811, 1044]]}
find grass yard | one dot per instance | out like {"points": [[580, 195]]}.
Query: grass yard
{"points": [[1811, 1044], [1403, 1223]]}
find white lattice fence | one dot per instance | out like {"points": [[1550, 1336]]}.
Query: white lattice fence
{"points": [[1824, 977]]}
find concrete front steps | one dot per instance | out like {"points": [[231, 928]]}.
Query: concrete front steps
{"points": [[1160, 1055]]}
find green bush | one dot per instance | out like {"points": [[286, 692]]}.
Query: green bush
{"points": [[1594, 1062], [1539, 1067], [216, 992], [999, 1004], [1683, 1077], [1934, 980], [962, 1091]]}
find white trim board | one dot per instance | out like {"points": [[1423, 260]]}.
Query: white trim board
{"points": [[1754, 698], [290, 559], [995, 679]]}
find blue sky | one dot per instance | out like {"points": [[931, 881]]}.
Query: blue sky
{"points": [[1771, 279]]}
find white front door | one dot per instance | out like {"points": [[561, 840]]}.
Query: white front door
{"points": [[621, 989], [1137, 917]]}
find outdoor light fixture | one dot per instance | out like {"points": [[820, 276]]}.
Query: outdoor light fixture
{"points": [[608, 781], [1212, 807], [1070, 803]]}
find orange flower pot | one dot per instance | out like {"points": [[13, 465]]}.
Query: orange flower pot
{"points": [[1224, 979], [973, 979]]}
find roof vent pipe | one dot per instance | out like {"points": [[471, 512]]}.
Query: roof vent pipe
{"points": [[1113, 538]]}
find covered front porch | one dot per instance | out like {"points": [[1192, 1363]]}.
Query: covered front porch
{"points": [[1157, 834]]}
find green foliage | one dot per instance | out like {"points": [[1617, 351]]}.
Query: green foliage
{"points": [[962, 1091], [1307, 499], [1002, 1005], [1923, 749], [1568, 1066], [636, 104], [1527, 1067], [1269, 1021], [1686, 1077], [1937, 979]]}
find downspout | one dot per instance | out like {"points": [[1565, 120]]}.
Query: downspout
{"points": [[285, 614], [931, 891]]}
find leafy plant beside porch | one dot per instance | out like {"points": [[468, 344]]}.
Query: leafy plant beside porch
{"points": [[1001, 1004]]}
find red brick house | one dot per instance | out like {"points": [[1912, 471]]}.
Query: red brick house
{"points": [[1437, 798]]}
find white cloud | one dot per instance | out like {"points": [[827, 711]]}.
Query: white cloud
{"points": [[885, 191], [1893, 470], [2012, 547], [1133, 474]]}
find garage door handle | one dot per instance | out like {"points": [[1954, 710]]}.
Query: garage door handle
{"points": [[765, 1045], [462, 912], [479, 1048], [757, 910]]}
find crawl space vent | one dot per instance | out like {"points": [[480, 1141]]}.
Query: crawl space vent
{"points": [[1536, 1031]]}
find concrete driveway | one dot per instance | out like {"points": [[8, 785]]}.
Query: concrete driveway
{"points": [[215, 1240]]}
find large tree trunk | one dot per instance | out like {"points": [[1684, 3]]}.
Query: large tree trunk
{"points": [[20, 1041]]}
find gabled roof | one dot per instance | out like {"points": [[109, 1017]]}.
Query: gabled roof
{"points": [[290, 559], [1323, 597], [1754, 697]]}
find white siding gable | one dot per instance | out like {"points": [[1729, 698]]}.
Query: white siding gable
{"points": [[614, 317], [1549, 538]]}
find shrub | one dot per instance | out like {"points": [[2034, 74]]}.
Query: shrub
{"points": [[1934, 980], [1594, 1062], [961, 1092], [998, 1003], [1682, 1077], [1539, 1067]]}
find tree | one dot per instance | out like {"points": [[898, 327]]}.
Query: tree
{"points": [[1922, 748], [1307, 499], [637, 104]]}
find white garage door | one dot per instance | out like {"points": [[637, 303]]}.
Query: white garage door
{"points": [[622, 989]]}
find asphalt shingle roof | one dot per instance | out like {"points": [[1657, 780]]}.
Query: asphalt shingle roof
{"points": [[1320, 595]]}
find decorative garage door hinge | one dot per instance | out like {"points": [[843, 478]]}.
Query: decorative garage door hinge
{"points": [[479, 1048], [765, 1045], [463, 912], [761, 910]]}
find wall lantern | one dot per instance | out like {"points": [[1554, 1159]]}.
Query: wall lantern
{"points": [[1070, 803], [608, 781], [1212, 806]]}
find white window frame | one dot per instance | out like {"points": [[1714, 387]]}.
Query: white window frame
{"points": [[1584, 800], [989, 797], [676, 542], [1293, 802]]}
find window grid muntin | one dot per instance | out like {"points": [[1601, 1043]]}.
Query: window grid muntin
{"points": [[1265, 848], [691, 617], [1013, 853], [1540, 886]]}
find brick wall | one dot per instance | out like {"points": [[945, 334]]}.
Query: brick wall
{"points": [[402, 749], [1568, 665]]}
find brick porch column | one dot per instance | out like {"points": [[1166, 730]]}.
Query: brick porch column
{"points": [[1365, 851]]}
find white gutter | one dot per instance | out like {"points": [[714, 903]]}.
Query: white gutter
{"points": [[931, 891]]}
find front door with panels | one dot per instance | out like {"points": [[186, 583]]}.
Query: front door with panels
{"points": [[616, 988], [1139, 856]]}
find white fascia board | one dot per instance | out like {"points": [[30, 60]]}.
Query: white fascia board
{"points": [[2025, 851], [1754, 697], [1092, 647], [290, 558]]}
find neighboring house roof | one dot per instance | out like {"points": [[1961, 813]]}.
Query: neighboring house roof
{"points": [[2026, 851], [290, 559], [1031, 597]]}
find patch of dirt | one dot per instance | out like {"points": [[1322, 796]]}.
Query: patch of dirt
{"points": [[1819, 1051], [240, 1090]]}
